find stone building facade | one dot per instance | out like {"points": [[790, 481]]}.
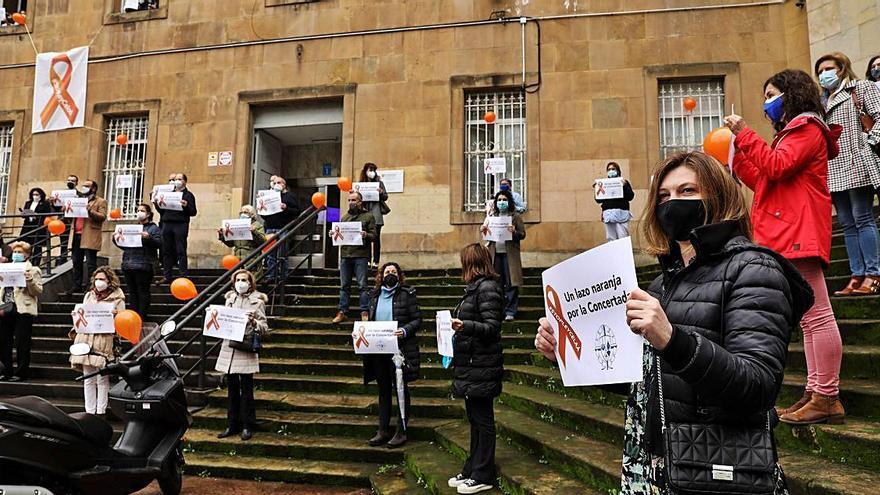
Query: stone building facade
{"points": [[848, 26], [403, 84]]}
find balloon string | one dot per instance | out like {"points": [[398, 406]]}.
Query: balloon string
{"points": [[93, 129], [28, 31], [96, 35]]}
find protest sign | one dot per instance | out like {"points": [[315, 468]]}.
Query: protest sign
{"points": [[93, 318], [375, 337], [222, 322]]}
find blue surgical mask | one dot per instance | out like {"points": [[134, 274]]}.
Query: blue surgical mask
{"points": [[18, 257], [613, 173], [828, 79], [875, 73], [502, 206], [773, 108], [505, 187]]}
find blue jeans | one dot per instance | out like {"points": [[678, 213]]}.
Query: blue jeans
{"points": [[357, 267], [511, 293], [854, 211], [276, 262]]}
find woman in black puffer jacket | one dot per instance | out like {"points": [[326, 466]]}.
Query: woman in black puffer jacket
{"points": [[393, 301], [718, 320], [478, 364]]}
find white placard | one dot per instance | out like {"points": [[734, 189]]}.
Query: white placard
{"points": [[169, 200], [444, 333], [268, 202], [76, 208], [93, 318], [393, 180], [608, 188], [124, 181], [375, 337], [166, 188], [12, 275], [212, 158], [129, 235], [369, 190], [225, 323], [58, 196], [237, 229], [225, 158], [60, 90], [498, 229], [346, 233], [585, 302], [495, 165]]}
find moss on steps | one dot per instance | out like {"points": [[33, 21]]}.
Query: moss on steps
{"points": [[280, 469], [432, 466], [858, 361], [394, 480], [856, 443]]}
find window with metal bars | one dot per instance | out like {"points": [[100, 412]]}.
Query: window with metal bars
{"points": [[6, 133], [128, 159], [506, 137], [682, 129]]}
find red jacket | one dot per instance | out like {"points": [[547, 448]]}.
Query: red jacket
{"points": [[791, 213]]}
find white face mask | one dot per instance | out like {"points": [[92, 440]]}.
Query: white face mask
{"points": [[278, 187], [36, 199], [142, 215], [178, 183], [85, 189], [242, 286], [100, 285], [371, 174], [243, 215]]}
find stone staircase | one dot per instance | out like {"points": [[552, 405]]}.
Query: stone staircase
{"points": [[315, 414]]}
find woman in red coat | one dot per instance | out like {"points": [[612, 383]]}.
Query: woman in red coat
{"points": [[791, 214]]}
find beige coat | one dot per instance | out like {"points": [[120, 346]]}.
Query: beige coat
{"points": [[242, 362], [91, 233], [102, 343], [514, 260], [27, 297]]}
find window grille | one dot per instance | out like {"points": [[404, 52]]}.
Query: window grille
{"points": [[683, 130], [6, 133], [126, 159]]}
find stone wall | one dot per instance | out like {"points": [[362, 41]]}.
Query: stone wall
{"points": [[848, 26]]}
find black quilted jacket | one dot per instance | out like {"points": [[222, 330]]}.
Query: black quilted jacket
{"points": [[406, 312], [725, 368], [477, 349]]}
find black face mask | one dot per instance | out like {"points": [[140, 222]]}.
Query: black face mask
{"points": [[390, 281], [71, 185], [678, 217], [353, 208]]}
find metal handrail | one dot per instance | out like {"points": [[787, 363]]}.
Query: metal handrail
{"points": [[41, 232]]}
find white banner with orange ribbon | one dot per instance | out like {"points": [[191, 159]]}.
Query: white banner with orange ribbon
{"points": [[374, 337], [585, 302], [60, 90], [93, 318], [225, 323]]}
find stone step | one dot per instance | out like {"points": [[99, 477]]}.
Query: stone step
{"points": [[837, 268], [430, 370], [858, 361], [278, 469], [855, 443], [346, 352], [860, 397], [531, 313], [521, 326], [395, 480], [343, 385], [854, 332], [341, 336], [433, 466]]}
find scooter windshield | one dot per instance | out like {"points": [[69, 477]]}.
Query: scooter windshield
{"points": [[151, 337]]}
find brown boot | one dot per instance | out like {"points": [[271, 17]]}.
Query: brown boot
{"points": [[854, 283], [797, 405], [398, 440], [820, 409], [870, 287], [365, 316], [382, 436], [340, 317]]}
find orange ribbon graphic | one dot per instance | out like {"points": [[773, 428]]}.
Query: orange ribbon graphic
{"points": [[601, 189], [161, 201], [68, 207], [227, 230], [554, 305], [120, 237], [213, 321], [81, 319], [60, 97], [361, 338], [337, 233]]}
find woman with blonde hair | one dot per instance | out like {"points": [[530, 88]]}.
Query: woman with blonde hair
{"points": [[19, 308]]}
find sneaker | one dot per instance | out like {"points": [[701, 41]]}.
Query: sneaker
{"points": [[508, 318], [473, 486], [459, 479]]}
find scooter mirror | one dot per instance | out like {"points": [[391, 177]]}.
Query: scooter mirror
{"points": [[80, 349], [168, 328]]}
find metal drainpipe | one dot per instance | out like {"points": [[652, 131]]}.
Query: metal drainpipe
{"points": [[522, 35]]}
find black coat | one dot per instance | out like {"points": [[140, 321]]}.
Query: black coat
{"points": [[284, 217], [477, 358], [32, 223], [725, 368], [142, 258], [405, 311]]}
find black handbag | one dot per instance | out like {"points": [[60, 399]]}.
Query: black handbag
{"points": [[383, 208], [252, 342]]}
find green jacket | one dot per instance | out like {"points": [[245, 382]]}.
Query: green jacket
{"points": [[244, 248], [369, 226]]}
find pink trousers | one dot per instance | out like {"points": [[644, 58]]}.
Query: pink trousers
{"points": [[822, 344]]}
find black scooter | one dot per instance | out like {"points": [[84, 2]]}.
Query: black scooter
{"points": [[42, 447]]}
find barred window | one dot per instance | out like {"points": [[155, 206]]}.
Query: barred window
{"points": [[126, 159], [506, 137], [682, 129], [6, 133]]}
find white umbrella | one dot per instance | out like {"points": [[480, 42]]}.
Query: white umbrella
{"points": [[397, 358]]}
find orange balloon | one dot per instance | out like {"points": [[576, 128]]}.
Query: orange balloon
{"points": [[229, 261], [689, 104], [344, 184], [318, 200], [48, 220], [56, 227], [122, 139], [489, 117], [115, 214], [717, 144], [128, 325], [183, 289], [19, 18]]}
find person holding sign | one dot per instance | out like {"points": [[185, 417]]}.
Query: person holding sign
{"points": [[87, 236], [478, 362], [175, 229], [64, 238], [32, 230], [519, 203], [369, 173], [354, 260], [240, 365], [615, 211], [276, 262], [17, 316], [105, 289], [506, 254], [393, 301], [791, 214], [242, 248], [716, 324], [138, 262]]}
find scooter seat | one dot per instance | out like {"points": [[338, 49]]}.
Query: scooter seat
{"points": [[40, 412]]}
